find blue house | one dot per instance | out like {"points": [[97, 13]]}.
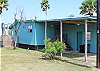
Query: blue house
{"points": [[75, 31]]}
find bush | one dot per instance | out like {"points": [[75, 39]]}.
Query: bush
{"points": [[52, 48], [60, 46]]}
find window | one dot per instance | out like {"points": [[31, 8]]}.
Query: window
{"points": [[88, 35], [30, 28]]}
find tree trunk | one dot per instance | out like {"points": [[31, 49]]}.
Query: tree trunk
{"points": [[46, 28]]}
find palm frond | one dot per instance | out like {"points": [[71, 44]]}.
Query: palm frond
{"points": [[88, 7], [45, 5], [3, 5]]}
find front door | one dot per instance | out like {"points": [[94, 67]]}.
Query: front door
{"points": [[57, 32], [79, 40]]}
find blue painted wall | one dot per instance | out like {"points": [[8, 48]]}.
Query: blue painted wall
{"points": [[26, 37], [72, 30], [23, 34], [40, 33], [69, 29], [50, 31]]}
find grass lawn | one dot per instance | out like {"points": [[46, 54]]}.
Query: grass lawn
{"points": [[26, 60]]}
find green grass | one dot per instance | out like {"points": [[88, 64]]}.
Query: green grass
{"points": [[25, 60]]}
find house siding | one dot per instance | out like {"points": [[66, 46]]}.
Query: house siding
{"points": [[37, 36], [72, 30]]}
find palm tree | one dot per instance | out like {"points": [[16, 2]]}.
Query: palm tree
{"points": [[45, 6], [3, 5], [88, 7]]}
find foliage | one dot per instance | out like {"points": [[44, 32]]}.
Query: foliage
{"points": [[59, 46], [3, 5], [52, 48], [45, 5], [88, 7]]}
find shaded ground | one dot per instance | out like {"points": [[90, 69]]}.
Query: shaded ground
{"points": [[79, 58], [29, 60]]}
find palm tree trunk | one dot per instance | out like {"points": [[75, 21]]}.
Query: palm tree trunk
{"points": [[46, 28]]}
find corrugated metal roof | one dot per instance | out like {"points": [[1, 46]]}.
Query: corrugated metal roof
{"points": [[71, 18], [81, 18], [64, 19]]}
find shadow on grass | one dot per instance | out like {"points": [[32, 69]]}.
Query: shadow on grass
{"points": [[75, 54], [72, 63], [66, 61]]}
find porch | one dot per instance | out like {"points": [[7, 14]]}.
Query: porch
{"points": [[74, 32]]}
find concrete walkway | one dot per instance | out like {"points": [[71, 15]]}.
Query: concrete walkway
{"points": [[79, 58]]}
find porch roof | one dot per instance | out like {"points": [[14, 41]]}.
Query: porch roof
{"points": [[74, 20], [68, 20]]}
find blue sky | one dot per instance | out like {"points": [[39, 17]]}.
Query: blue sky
{"points": [[32, 8]]}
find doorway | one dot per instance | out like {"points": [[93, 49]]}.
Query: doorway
{"points": [[57, 31], [79, 40]]}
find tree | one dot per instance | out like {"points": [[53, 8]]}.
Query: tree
{"points": [[88, 7], [45, 6], [17, 25], [3, 5]]}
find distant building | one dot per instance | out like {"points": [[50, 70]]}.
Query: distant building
{"points": [[5, 38]]}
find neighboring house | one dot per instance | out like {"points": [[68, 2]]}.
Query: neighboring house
{"points": [[32, 32], [5, 38]]}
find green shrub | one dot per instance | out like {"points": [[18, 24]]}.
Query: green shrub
{"points": [[60, 46], [52, 48]]}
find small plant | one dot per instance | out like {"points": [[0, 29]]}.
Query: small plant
{"points": [[60, 46], [52, 48]]}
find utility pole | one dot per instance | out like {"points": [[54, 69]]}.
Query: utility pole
{"points": [[98, 34]]}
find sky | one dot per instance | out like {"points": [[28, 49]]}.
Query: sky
{"points": [[32, 8]]}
